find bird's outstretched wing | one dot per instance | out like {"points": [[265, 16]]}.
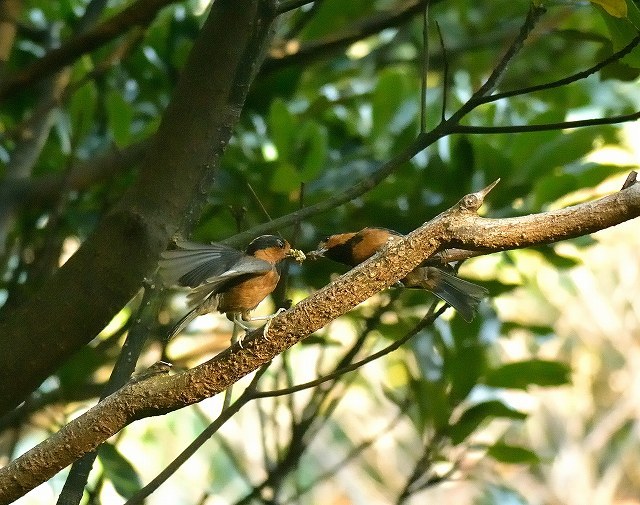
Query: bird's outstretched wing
{"points": [[193, 264]]}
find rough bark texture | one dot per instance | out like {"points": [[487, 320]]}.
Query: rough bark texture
{"points": [[460, 226], [80, 299]]}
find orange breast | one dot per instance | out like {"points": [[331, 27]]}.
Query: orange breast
{"points": [[247, 294]]}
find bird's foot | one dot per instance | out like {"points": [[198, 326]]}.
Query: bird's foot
{"points": [[265, 333]]}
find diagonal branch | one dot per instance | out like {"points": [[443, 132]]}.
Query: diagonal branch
{"points": [[618, 55], [459, 226]]}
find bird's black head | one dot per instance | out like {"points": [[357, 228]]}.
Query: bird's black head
{"points": [[266, 242]]}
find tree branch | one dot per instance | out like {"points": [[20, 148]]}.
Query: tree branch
{"points": [[38, 190], [618, 55], [563, 125], [459, 226], [293, 53]]}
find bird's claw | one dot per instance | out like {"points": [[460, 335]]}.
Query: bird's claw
{"points": [[265, 333]]}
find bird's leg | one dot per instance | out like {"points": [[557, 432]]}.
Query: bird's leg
{"points": [[238, 321], [241, 318], [246, 318], [269, 319]]}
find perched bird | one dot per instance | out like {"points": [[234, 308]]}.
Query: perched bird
{"points": [[225, 279], [355, 247]]}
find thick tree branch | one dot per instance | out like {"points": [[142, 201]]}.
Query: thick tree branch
{"points": [[110, 266], [459, 226]]}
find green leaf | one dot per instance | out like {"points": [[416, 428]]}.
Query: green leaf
{"points": [[462, 158], [312, 150], [464, 366], [432, 403], [82, 109], [390, 92], [80, 367], [282, 129], [120, 115], [616, 8], [522, 374], [513, 454], [474, 416], [285, 179], [332, 15], [119, 471], [560, 149], [623, 30]]}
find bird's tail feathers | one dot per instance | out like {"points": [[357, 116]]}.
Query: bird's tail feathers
{"points": [[464, 296], [182, 324]]}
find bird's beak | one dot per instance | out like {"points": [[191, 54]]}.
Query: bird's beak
{"points": [[296, 254], [318, 253]]}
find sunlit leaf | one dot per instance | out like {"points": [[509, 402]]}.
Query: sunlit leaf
{"points": [[623, 30], [617, 8]]}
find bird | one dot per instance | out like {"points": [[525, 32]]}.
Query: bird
{"points": [[224, 279], [353, 248]]}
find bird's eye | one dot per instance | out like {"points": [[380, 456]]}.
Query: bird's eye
{"points": [[280, 243]]}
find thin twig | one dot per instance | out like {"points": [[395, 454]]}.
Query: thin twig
{"points": [[426, 321], [138, 14], [421, 142], [445, 74], [309, 422], [459, 226], [307, 52], [425, 68], [229, 391], [618, 55], [258, 201], [535, 12], [563, 125]]}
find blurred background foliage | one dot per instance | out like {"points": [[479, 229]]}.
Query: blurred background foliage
{"points": [[534, 402]]}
